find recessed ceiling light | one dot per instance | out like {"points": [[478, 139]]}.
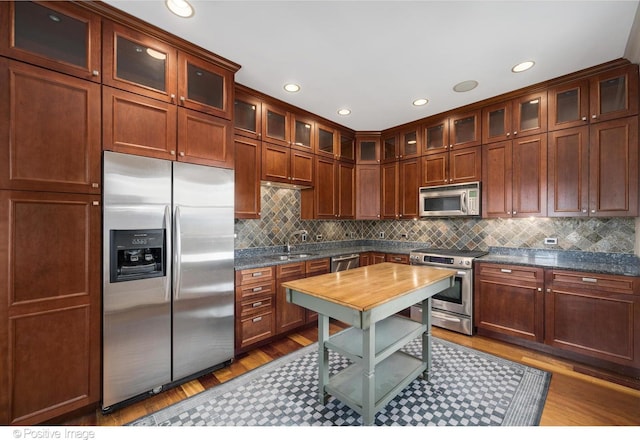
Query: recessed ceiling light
{"points": [[526, 65], [291, 87], [465, 86], [181, 8], [419, 102], [344, 112]]}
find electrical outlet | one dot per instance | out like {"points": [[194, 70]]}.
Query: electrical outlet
{"points": [[303, 237], [319, 237], [404, 235], [551, 240], [381, 235]]}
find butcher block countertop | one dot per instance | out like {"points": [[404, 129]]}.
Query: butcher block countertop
{"points": [[367, 287]]}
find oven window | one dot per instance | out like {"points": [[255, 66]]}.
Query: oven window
{"points": [[453, 294], [445, 203]]}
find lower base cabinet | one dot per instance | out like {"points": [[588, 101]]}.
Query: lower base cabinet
{"points": [[589, 317], [255, 299]]}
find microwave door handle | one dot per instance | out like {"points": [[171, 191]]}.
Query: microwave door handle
{"points": [[463, 204]]}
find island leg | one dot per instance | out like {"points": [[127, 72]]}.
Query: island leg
{"points": [[368, 375], [426, 337], [323, 358]]}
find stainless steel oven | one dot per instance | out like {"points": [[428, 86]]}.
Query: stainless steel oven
{"points": [[452, 308]]}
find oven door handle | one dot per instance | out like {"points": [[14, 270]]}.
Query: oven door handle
{"points": [[444, 317]]}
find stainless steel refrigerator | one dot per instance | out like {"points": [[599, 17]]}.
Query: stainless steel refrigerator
{"points": [[168, 277]]}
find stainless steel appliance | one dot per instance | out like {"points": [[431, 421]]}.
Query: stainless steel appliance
{"points": [[168, 293], [452, 308], [459, 200], [345, 262]]}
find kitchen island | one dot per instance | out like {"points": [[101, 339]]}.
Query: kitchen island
{"points": [[369, 298]]}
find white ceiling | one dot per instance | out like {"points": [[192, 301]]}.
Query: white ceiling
{"points": [[376, 57]]}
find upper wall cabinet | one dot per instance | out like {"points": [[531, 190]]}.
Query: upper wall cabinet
{"points": [[367, 149], [523, 116], [327, 141], [276, 127], [347, 147], [302, 133], [137, 63], [452, 132], [614, 94], [569, 105], [390, 147], [56, 35], [410, 143], [247, 115]]}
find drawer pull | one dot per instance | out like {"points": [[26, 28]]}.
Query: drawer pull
{"points": [[505, 270], [256, 304], [589, 280], [256, 274], [256, 289], [258, 319]]}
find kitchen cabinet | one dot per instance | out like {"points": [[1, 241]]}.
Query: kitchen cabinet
{"points": [[390, 147], [326, 141], [568, 105], [255, 306], [514, 178], [136, 124], [50, 305], [452, 131], [59, 36], [247, 115], [287, 165], [397, 258], [302, 133], [276, 125], [518, 117], [288, 316], [509, 300], [409, 187], [594, 315], [347, 147], [614, 93], [367, 192], [367, 149], [455, 166], [138, 63], [41, 152], [247, 167], [334, 195], [312, 269], [389, 184], [345, 190], [410, 143]]}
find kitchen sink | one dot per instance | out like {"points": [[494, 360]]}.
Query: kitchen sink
{"points": [[287, 257]]}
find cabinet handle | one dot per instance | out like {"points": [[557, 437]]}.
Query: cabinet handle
{"points": [[539, 289], [508, 134], [515, 133], [95, 185], [258, 319], [95, 73], [505, 270], [256, 304], [594, 117], [584, 211], [514, 212], [589, 280], [548, 290], [256, 274], [173, 152], [584, 118], [173, 96], [182, 154], [95, 203], [182, 98], [593, 211], [256, 289]]}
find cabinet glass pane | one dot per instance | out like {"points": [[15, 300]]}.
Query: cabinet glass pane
{"points": [[497, 123], [435, 137], [325, 141], [245, 116], [51, 34], [465, 130], [368, 150], [567, 106], [302, 135], [140, 64], [529, 112], [346, 147], [613, 95], [204, 86], [275, 125], [410, 143], [389, 148]]}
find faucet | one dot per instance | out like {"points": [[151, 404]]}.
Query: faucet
{"points": [[300, 232]]}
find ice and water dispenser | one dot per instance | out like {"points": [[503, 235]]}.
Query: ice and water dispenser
{"points": [[137, 254]]}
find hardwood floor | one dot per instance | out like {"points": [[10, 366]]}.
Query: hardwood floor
{"points": [[574, 398]]}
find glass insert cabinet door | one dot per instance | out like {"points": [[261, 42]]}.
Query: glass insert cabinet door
{"points": [[302, 132], [59, 36], [204, 86], [611, 92], [436, 136], [569, 105]]}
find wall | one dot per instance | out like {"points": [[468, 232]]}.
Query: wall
{"points": [[281, 216]]}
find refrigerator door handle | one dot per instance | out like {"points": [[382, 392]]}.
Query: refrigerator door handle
{"points": [[167, 221], [177, 253]]}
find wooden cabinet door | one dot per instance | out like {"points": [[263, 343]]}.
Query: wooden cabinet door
{"points": [[436, 136], [465, 165], [368, 149], [389, 190], [530, 176], [135, 124], [345, 190], [135, 62], [247, 115], [509, 300], [346, 147], [497, 162], [390, 148], [57, 35], [614, 94], [367, 192], [409, 182], [464, 130], [276, 127], [49, 130], [51, 305], [326, 141], [435, 169], [303, 133], [301, 168], [248, 159], [530, 114], [276, 163], [204, 139], [288, 316], [614, 168], [568, 105], [325, 191], [410, 143], [378, 257], [497, 123], [568, 176]]}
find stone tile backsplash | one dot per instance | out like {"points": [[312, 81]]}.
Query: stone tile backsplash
{"points": [[281, 216]]}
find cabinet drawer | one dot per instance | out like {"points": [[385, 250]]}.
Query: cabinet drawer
{"points": [[322, 266], [256, 328], [256, 275], [613, 283], [256, 306], [291, 270], [397, 258], [522, 273], [251, 291]]}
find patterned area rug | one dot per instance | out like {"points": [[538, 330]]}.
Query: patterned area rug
{"points": [[467, 388]]}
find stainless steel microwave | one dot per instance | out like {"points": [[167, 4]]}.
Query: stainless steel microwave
{"points": [[459, 200]]}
